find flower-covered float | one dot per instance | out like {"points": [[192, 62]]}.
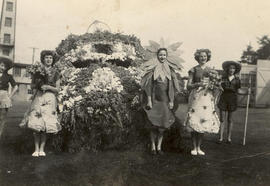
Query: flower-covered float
{"points": [[99, 101]]}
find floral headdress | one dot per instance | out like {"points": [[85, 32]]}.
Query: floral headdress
{"points": [[173, 60]]}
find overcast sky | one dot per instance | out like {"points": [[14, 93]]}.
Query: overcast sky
{"points": [[224, 26]]}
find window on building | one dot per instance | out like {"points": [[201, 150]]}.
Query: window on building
{"points": [[8, 21], [17, 72], [6, 51], [7, 38], [30, 91], [9, 6]]}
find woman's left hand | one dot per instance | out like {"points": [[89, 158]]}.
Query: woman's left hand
{"points": [[171, 105]]}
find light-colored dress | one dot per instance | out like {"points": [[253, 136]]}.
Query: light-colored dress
{"points": [[201, 116], [42, 114]]}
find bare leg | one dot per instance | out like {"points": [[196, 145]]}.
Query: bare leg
{"points": [[230, 126], [222, 125], [194, 142], [153, 137], [3, 114], [199, 138], [42, 144], [160, 138], [37, 141]]}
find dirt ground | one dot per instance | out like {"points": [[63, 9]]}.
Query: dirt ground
{"points": [[224, 164]]}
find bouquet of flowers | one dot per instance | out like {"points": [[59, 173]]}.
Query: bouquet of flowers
{"points": [[213, 79], [38, 74]]}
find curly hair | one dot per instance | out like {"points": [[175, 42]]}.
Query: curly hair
{"points": [[48, 53], [199, 51]]}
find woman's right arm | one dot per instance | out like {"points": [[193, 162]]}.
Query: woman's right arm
{"points": [[190, 84]]}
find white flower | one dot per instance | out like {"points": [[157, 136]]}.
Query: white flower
{"points": [[78, 98], [104, 79]]}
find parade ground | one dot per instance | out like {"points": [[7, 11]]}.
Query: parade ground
{"points": [[224, 164]]}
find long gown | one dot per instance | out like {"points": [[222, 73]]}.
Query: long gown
{"points": [[201, 116]]}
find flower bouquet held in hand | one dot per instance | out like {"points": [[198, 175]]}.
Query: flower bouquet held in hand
{"points": [[38, 74], [211, 80]]}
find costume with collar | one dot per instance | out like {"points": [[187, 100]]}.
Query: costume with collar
{"points": [[228, 98]]}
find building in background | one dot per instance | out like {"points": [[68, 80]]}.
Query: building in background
{"points": [[8, 28], [260, 83], [7, 48], [23, 79]]}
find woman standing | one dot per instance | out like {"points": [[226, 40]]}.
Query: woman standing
{"points": [[228, 99], [5, 97], [159, 85], [42, 116], [201, 116]]}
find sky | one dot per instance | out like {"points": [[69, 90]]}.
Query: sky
{"points": [[226, 27]]}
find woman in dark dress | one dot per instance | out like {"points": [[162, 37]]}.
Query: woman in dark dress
{"points": [[228, 99], [160, 85], [5, 96]]}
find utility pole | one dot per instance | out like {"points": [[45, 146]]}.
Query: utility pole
{"points": [[33, 56]]}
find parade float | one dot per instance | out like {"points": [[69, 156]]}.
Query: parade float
{"points": [[99, 102]]}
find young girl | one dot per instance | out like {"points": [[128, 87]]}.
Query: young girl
{"points": [[228, 98], [5, 97], [201, 116], [159, 84], [42, 117]]}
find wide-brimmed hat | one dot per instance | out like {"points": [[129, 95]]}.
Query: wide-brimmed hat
{"points": [[226, 64], [8, 62], [49, 53]]}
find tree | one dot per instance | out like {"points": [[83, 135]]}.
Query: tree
{"points": [[264, 50], [249, 56]]}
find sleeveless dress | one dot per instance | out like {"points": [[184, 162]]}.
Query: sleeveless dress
{"points": [[42, 115], [201, 116]]}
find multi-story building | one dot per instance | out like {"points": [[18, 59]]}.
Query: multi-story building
{"points": [[7, 29]]}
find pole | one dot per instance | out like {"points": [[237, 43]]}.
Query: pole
{"points": [[246, 119], [33, 55]]}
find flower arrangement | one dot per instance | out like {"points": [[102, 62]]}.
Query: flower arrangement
{"points": [[36, 68], [213, 78], [100, 46], [38, 74]]}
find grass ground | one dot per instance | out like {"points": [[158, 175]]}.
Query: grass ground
{"points": [[223, 164]]}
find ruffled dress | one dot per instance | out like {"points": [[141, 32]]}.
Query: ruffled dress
{"points": [[42, 115], [201, 116]]}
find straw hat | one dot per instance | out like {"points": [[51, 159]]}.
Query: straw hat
{"points": [[8, 62], [226, 64]]}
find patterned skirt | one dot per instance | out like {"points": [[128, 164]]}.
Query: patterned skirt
{"points": [[42, 114], [5, 101], [202, 116]]}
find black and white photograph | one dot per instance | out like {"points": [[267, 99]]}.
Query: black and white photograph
{"points": [[134, 93]]}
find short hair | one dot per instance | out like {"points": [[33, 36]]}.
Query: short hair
{"points": [[160, 49], [48, 53], [199, 51]]}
